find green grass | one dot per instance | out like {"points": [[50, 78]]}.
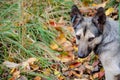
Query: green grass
{"points": [[24, 33]]}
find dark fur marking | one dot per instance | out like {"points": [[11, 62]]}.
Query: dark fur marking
{"points": [[108, 43], [99, 19], [85, 28], [117, 77], [76, 16]]}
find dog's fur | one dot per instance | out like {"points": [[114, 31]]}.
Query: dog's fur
{"points": [[101, 35]]}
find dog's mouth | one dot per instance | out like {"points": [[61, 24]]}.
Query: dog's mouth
{"points": [[83, 54]]}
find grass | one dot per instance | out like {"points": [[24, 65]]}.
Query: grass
{"points": [[24, 32]]}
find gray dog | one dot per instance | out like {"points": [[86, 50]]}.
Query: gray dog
{"points": [[101, 35]]}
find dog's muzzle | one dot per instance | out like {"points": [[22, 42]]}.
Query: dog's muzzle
{"points": [[82, 55]]}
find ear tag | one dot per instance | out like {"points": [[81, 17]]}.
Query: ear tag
{"points": [[73, 19]]}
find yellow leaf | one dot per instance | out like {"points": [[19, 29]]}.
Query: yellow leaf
{"points": [[57, 73], [47, 72], [82, 59], [13, 70], [75, 48], [54, 46], [94, 4], [61, 39], [109, 11]]}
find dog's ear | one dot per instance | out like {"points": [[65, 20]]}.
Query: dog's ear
{"points": [[75, 15], [99, 19]]}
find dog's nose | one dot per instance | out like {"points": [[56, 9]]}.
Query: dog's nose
{"points": [[81, 55]]}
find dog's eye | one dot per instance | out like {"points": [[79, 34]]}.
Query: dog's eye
{"points": [[78, 37], [90, 39]]}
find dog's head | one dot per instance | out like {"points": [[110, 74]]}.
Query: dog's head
{"points": [[88, 30]]}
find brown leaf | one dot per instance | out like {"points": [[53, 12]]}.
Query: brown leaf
{"points": [[75, 74], [88, 66], [16, 74], [67, 46], [31, 60], [56, 24], [66, 57], [13, 70], [34, 67], [95, 63], [37, 78], [81, 79], [75, 64], [95, 75], [61, 39], [61, 78], [12, 78], [101, 74]]}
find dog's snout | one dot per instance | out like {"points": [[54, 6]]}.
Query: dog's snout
{"points": [[81, 55]]}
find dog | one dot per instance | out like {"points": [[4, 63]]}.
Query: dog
{"points": [[101, 35]]}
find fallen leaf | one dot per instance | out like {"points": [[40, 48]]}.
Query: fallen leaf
{"points": [[52, 22], [90, 67], [31, 60], [75, 64], [61, 78], [25, 65], [66, 57], [109, 11], [86, 2], [81, 79], [101, 74], [75, 48], [37, 78], [10, 64], [57, 73], [94, 4], [67, 46], [12, 78], [13, 70], [75, 74], [54, 46], [16, 74], [22, 78], [34, 67], [61, 39], [55, 24], [47, 72], [82, 60], [95, 63], [95, 75]]}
